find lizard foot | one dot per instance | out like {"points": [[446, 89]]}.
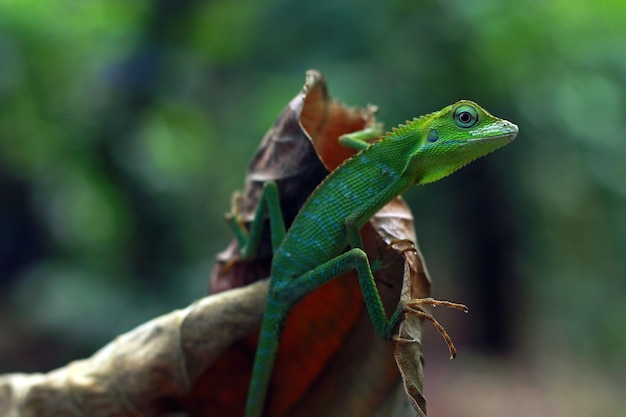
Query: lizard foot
{"points": [[414, 306], [236, 222], [235, 209]]}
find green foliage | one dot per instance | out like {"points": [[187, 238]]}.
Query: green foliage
{"points": [[125, 126]]}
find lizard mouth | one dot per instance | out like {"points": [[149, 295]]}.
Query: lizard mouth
{"points": [[504, 138], [510, 132], [497, 138]]}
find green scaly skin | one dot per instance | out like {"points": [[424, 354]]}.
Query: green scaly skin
{"points": [[313, 251]]}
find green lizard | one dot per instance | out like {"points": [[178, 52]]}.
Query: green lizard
{"points": [[313, 250]]}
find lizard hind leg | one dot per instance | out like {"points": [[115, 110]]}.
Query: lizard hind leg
{"points": [[354, 259]]}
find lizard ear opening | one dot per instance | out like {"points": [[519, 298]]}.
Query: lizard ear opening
{"points": [[433, 135]]}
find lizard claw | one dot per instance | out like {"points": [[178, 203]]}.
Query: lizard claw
{"points": [[414, 306], [235, 208], [233, 217]]}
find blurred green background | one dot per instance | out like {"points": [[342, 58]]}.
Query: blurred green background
{"points": [[125, 126]]}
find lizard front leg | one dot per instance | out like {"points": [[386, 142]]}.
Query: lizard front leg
{"points": [[362, 139]]}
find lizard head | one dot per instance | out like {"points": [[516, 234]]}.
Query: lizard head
{"points": [[455, 136]]}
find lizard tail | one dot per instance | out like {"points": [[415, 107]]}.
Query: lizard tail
{"points": [[273, 323]]}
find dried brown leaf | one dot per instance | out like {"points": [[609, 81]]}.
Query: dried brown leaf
{"points": [[198, 360]]}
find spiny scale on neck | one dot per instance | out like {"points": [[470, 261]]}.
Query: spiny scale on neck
{"points": [[410, 126]]}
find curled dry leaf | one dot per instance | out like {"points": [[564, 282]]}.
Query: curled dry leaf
{"points": [[329, 353]]}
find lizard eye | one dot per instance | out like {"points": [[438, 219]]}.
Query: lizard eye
{"points": [[465, 116]]}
